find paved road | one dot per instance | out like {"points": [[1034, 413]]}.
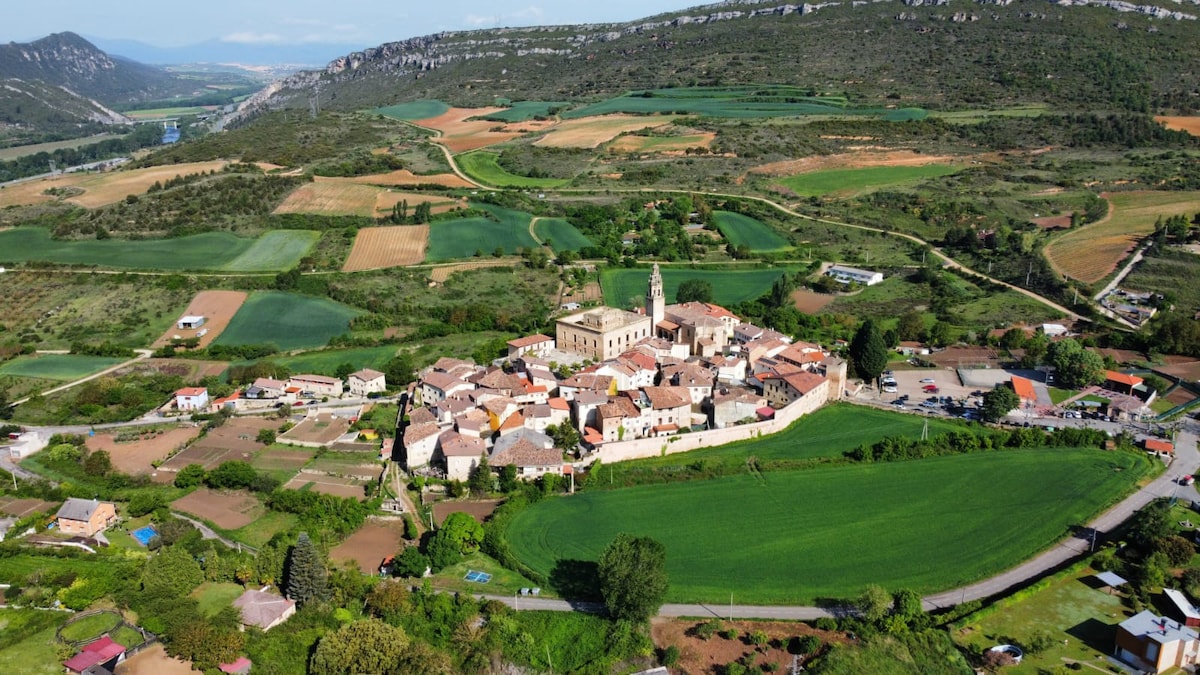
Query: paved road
{"points": [[207, 532]]}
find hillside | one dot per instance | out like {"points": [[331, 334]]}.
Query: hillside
{"points": [[67, 60], [934, 53], [23, 102]]}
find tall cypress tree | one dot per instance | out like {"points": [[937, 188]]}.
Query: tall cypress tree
{"points": [[868, 351], [306, 574]]}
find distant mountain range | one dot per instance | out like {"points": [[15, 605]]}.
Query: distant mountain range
{"points": [[217, 51]]}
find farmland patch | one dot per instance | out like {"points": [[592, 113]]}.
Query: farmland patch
{"points": [[101, 189], [591, 132], [218, 309], [133, 452], [287, 320], [393, 246], [348, 488], [461, 133], [1092, 252], [275, 250], [855, 181], [404, 178], [414, 110], [66, 367], [369, 545], [484, 167], [666, 144], [344, 197], [1188, 124], [230, 510], [743, 230], [462, 238], [627, 287], [809, 302], [560, 234]]}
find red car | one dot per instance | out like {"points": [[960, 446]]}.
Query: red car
{"points": [[929, 389]]}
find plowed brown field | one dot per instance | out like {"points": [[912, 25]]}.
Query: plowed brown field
{"points": [[379, 247], [347, 197], [404, 177], [1188, 124], [590, 132], [217, 308], [460, 134]]}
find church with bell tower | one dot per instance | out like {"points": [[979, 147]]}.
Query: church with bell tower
{"points": [[655, 302]]}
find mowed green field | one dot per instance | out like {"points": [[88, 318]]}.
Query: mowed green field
{"points": [[461, 238], [414, 110], [326, 361], [730, 287], [798, 536], [744, 101], [854, 181], [483, 167], [57, 366], [273, 251], [287, 320], [560, 234], [743, 230]]}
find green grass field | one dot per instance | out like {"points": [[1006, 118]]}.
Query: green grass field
{"points": [[560, 234], [27, 644], [483, 167], [854, 181], [827, 432], [799, 536], [461, 238], [746, 102], [743, 230], [276, 250], [287, 320], [20, 151], [213, 596], [620, 286], [414, 110], [160, 113], [65, 367], [90, 627], [326, 361], [522, 111]]}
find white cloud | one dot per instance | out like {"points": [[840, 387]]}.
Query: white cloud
{"points": [[477, 20], [531, 12], [253, 38]]}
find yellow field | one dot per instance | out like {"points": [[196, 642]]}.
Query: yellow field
{"points": [[404, 177], [672, 144], [380, 247], [342, 197], [1092, 252], [101, 189], [590, 132]]}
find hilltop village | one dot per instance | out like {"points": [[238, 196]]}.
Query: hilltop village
{"points": [[633, 377]]}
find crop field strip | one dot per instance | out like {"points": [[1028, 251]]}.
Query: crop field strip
{"points": [[405, 178], [666, 144], [392, 246], [287, 320], [743, 230], [16, 152], [273, 251], [592, 132], [461, 133], [744, 102], [463, 237], [523, 111], [1090, 253], [855, 181], [101, 189], [797, 536], [560, 234], [483, 167], [63, 367], [729, 286], [346, 197], [326, 361]]}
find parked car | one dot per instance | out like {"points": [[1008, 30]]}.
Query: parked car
{"points": [[929, 389], [928, 380], [890, 388]]}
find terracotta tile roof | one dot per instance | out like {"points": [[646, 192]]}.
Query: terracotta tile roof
{"points": [[588, 381], [268, 383], [1024, 388], [242, 663], [559, 403], [498, 405], [522, 436], [668, 397], [454, 444], [592, 436], [421, 414], [318, 379], [415, 433], [802, 381], [366, 375], [513, 421], [191, 391], [1123, 378], [529, 341], [589, 397], [1155, 445], [666, 427], [262, 609], [497, 379], [524, 453], [442, 381]]}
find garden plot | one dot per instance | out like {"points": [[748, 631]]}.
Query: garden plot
{"points": [[316, 431], [370, 544], [809, 302], [338, 486], [480, 510], [133, 452], [237, 439], [23, 507], [393, 246], [358, 465], [227, 510], [218, 309], [282, 459]]}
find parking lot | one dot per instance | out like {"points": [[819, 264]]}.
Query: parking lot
{"points": [[912, 383]]}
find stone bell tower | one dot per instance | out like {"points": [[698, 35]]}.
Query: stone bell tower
{"points": [[655, 302]]}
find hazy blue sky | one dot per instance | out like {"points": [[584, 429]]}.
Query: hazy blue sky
{"points": [[362, 22]]}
